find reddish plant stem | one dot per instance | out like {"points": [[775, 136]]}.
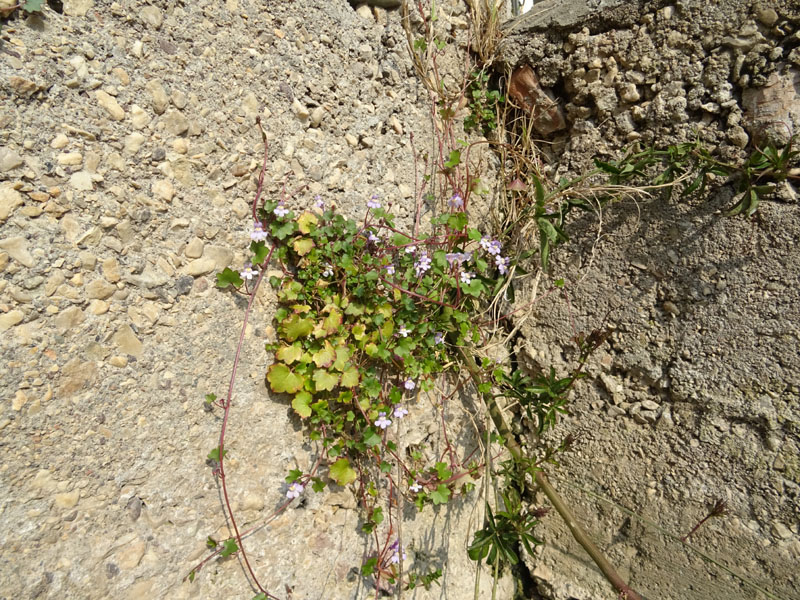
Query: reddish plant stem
{"points": [[225, 418]]}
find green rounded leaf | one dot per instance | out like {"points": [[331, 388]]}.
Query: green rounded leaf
{"points": [[342, 473], [296, 327], [301, 404], [323, 380], [283, 380]]}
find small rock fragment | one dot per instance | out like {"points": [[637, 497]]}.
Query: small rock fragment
{"points": [[109, 103], [69, 319], [176, 123], [70, 159], [159, 95], [163, 189], [9, 160], [100, 289], [151, 15], [127, 341], [194, 249], [59, 141], [11, 318], [9, 200], [139, 118], [133, 142], [17, 248], [200, 266], [81, 181], [67, 499], [317, 115]]}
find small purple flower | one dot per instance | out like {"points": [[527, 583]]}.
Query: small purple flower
{"points": [[373, 238], [400, 412], [422, 264], [382, 421], [258, 234], [502, 264], [411, 249], [466, 277], [403, 331], [320, 203], [373, 202], [458, 257], [248, 272], [397, 551], [457, 201], [438, 338], [294, 491], [415, 488], [491, 246], [389, 269], [409, 384], [281, 211]]}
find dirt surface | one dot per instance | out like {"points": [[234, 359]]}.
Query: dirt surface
{"points": [[128, 158]]}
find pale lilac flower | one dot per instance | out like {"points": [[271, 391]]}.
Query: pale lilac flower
{"points": [[458, 257], [466, 277], [373, 202], [403, 331], [438, 338], [411, 249], [258, 234], [422, 264], [328, 272], [373, 238], [248, 272], [400, 412], [382, 421], [397, 551], [389, 269], [502, 264], [320, 203], [457, 201], [281, 211], [409, 384], [415, 488], [491, 246], [294, 491]]}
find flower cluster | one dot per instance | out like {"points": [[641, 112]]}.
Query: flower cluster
{"points": [[397, 552], [423, 264]]}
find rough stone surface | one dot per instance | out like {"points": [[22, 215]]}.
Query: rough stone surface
{"points": [[681, 404], [113, 333]]}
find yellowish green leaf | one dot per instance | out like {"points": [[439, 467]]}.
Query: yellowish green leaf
{"points": [[323, 380], [350, 377], [342, 473], [300, 404], [343, 354], [307, 222], [324, 357], [295, 327], [283, 380], [289, 354], [303, 246]]}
